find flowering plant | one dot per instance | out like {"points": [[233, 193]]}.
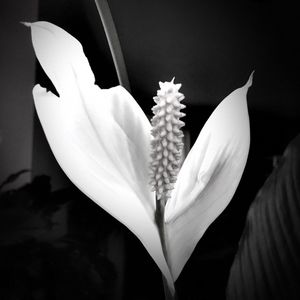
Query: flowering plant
{"points": [[102, 140]]}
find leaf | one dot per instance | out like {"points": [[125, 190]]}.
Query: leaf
{"points": [[21, 219], [267, 264], [13, 177]]}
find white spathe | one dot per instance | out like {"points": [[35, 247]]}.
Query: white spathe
{"points": [[209, 177], [101, 139]]}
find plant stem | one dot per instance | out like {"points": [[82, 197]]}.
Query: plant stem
{"points": [[113, 42], [159, 218], [168, 294]]}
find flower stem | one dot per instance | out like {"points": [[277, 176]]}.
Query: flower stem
{"points": [[159, 218], [168, 294]]}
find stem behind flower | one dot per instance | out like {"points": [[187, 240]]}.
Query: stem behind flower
{"points": [[113, 42]]}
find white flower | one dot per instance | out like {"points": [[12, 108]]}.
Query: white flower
{"points": [[101, 139]]}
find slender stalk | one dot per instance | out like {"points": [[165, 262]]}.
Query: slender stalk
{"points": [[113, 42], [168, 294], [159, 218]]}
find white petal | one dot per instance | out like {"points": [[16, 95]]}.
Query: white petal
{"points": [[209, 177], [100, 138], [57, 50]]}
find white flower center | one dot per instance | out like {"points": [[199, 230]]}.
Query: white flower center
{"points": [[167, 143]]}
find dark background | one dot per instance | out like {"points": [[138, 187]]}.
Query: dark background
{"points": [[74, 250]]}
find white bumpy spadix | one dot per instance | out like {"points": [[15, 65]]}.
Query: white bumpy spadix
{"points": [[167, 139], [101, 139]]}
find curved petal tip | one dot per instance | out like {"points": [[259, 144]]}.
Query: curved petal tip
{"points": [[250, 80]]}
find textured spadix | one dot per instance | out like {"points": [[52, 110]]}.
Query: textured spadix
{"points": [[167, 138]]}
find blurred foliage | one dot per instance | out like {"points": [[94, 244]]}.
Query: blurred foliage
{"points": [[11, 178], [267, 264], [52, 245]]}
